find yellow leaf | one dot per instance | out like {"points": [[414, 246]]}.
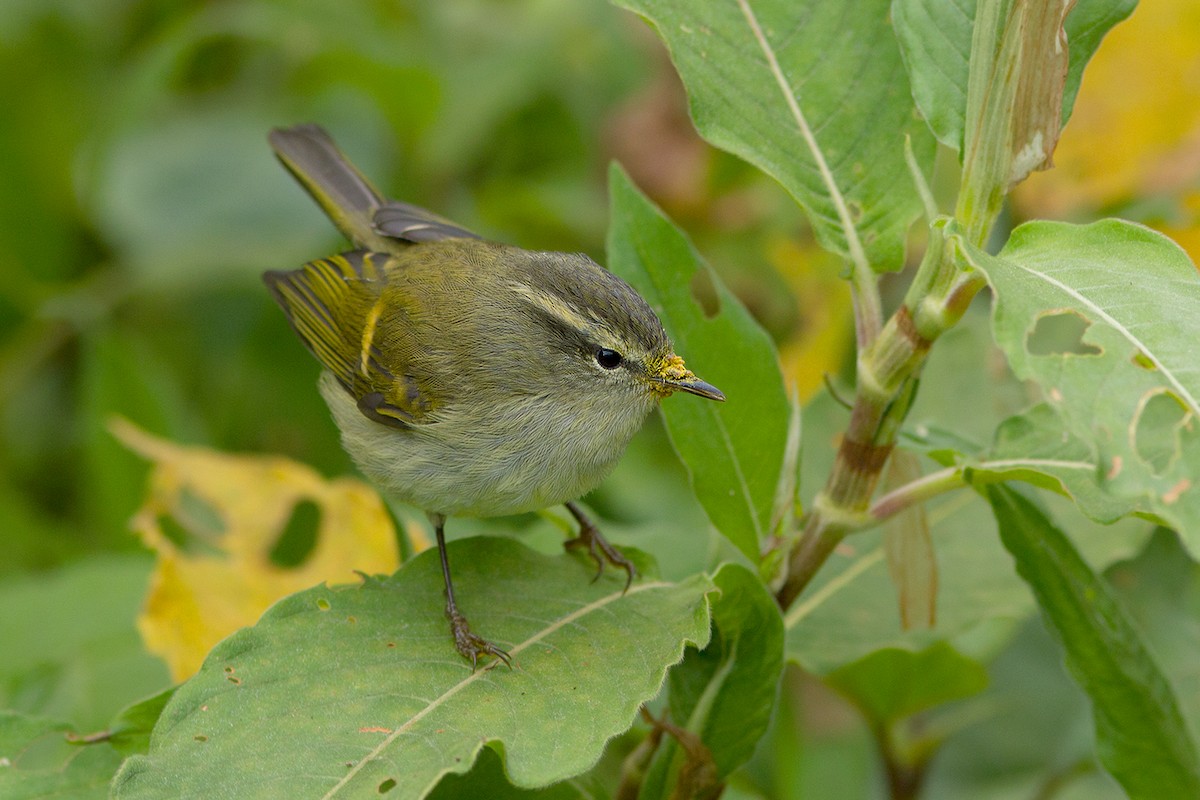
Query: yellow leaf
{"points": [[215, 520]]}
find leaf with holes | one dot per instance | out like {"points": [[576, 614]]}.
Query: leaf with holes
{"points": [[235, 533], [935, 40], [1034, 447], [356, 690], [736, 451], [814, 94], [1121, 370]]}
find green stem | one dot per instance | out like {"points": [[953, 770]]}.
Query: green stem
{"points": [[919, 491]]}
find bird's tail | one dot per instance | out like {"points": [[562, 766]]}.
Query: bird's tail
{"points": [[327, 175]]}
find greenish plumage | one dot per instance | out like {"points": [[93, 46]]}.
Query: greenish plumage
{"points": [[467, 376]]}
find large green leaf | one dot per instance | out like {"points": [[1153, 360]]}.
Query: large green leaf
{"points": [[1128, 386], [935, 40], [724, 694], [1141, 735], [761, 74], [735, 451], [346, 691], [37, 763]]}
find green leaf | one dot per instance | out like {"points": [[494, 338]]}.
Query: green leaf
{"points": [[349, 691], [1142, 738], [725, 693], [36, 761], [893, 683], [734, 451], [761, 73], [935, 41], [70, 649], [1127, 383]]}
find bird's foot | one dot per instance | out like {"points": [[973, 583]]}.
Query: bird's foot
{"points": [[598, 547], [470, 645]]}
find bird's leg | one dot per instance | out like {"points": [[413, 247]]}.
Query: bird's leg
{"points": [[468, 644], [597, 546]]}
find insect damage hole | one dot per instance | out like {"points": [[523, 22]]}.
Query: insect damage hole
{"points": [[299, 536], [193, 525], [387, 786], [1156, 429], [1060, 333]]}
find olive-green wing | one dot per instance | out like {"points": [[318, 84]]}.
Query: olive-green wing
{"points": [[335, 305]]}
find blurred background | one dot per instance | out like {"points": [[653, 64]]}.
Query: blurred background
{"points": [[139, 204]]}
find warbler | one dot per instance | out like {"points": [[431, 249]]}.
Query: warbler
{"points": [[468, 377]]}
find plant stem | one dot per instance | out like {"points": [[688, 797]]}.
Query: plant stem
{"points": [[945, 284], [884, 394], [909, 495], [904, 775]]}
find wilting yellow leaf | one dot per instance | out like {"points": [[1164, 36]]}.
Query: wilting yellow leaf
{"points": [[214, 520], [1135, 131]]}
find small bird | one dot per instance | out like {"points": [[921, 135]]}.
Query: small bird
{"points": [[468, 377]]}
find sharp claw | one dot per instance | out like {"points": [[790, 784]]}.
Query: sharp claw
{"points": [[470, 645], [599, 548]]}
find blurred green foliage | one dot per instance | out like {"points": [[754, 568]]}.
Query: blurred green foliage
{"points": [[140, 203]]}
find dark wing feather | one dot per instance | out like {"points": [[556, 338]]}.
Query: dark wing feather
{"points": [[414, 224]]}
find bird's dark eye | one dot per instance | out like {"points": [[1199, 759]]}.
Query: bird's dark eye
{"points": [[609, 359]]}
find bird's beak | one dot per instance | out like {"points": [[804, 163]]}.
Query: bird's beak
{"points": [[673, 377]]}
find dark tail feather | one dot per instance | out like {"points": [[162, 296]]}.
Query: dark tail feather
{"points": [[343, 193]]}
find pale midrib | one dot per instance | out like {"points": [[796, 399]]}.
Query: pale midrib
{"points": [[1118, 326], [857, 254], [1019, 463], [478, 674]]}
